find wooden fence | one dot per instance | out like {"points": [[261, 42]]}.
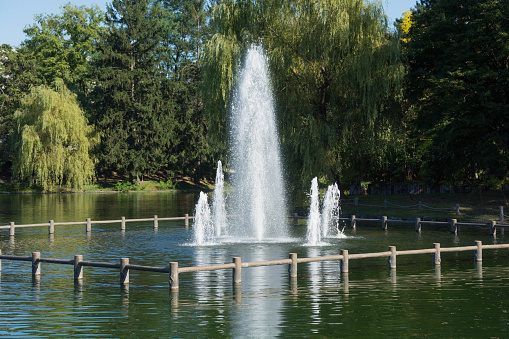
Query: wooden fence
{"points": [[353, 220], [237, 265], [88, 223]]}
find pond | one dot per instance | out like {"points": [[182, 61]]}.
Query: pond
{"points": [[458, 299]]}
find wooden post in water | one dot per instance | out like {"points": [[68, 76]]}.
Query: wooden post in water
{"points": [[156, 222], [353, 221], [122, 224], [11, 228], [174, 275], [384, 223], [36, 264], [89, 225], [493, 227], [344, 261], [51, 228], [436, 256], [78, 269], [478, 252], [186, 222], [454, 226], [237, 270], [392, 258], [124, 271], [292, 270], [418, 225]]}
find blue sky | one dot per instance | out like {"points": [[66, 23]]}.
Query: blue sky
{"points": [[16, 14]]}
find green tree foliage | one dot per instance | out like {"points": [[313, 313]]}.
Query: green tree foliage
{"points": [[459, 86], [133, 107], [336, 70], [52, 139], [57, 46]]}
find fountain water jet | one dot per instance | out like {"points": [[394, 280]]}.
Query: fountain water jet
{"points": [[219, 218], [203, 231], [330, 212], [259, 200], [314, 234], [257, 208]]}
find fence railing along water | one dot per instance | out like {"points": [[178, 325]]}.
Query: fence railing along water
{"points": [[237, 265]]}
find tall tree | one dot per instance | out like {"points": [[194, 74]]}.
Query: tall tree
{"points": [[459, 85], [136, 116], [336, 69], [52, 139]]}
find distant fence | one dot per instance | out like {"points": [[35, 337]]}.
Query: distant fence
{"points": [[419, 206], [237, 265], [88, 223], [390, 189], [353, 220]]}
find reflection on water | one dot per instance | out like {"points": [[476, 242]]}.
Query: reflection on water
{"points": [[459, 298]]}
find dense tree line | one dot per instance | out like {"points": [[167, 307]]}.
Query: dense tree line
{"points": [[358, 99]]}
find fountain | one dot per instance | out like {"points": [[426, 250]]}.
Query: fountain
{"points": [[257, 207], [314, 236], [324, 224], [202, 223]]}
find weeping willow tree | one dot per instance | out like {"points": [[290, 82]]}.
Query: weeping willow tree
{"points": [[52, 139], [336, 72]]}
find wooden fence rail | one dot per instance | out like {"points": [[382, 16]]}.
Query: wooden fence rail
{"points": [[353, 220], [237, 265], [88, 222]]}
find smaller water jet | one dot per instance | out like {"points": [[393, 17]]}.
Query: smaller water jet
{"points": [[203, 227], [219, 218], [314, 234], [324, 224]]}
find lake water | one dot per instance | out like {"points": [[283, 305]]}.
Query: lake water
{"points": [[458, 299]]}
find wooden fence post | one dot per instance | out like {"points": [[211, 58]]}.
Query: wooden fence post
{"points": [[78, 269], [436, 256], [122, 224], [292, 270], [392, 258], [384, 223], [174, 275], [51, 228], [344, 261], [454, 226], [36, 264], [418, 225], [478, 252], [156, 222], [237, 270], [12, 228], [89, 226], [353, 222], [124, 271], [493, 227]]}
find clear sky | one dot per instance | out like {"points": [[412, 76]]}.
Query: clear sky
{"points": [[16, 14]]}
